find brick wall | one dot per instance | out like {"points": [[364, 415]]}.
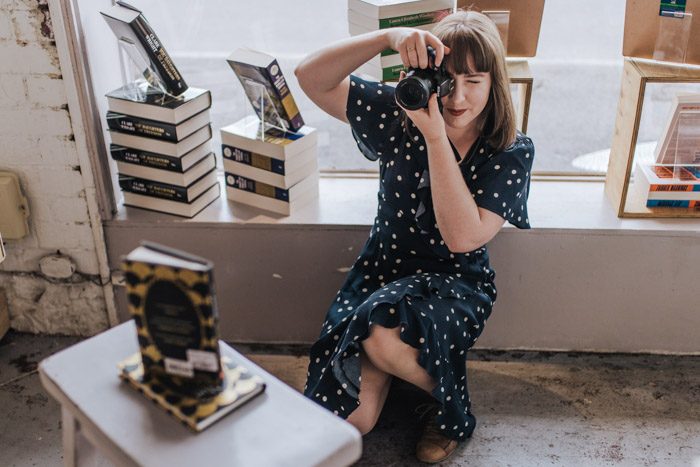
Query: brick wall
{"points": [[37, 143]]}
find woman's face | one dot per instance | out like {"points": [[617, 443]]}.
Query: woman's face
{"points": [[467, 100]]}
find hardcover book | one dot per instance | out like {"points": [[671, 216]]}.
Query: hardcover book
{"points": [[166, 148], [159, 161], [257, 70], [130, 26], [183, 179], [172, 301], [150, 103], [176, 208], [156, 129], [247, 134], [181, 194]]}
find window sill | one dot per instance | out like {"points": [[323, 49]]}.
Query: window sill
{"points": [[350, 202]]}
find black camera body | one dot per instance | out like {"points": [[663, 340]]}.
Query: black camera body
{"points": [[414, 91]]}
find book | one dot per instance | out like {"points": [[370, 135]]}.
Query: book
{"points": [[166, 148], [246, 191], [255, 70], [661, 177], [172, 207], [668, 144], [159, 161], [156, 129], [393, 8], [171, 297], [357, 29], [182, 194], [410, 20], [283, 174], [130, 26], [239, 386], [246, 134], [668, 203], [199, 169], [150, 103]]}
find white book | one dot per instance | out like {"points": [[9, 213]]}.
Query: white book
{"points": [[173, 207], [299, 195], [410, 20], [265, 176], [393, 8], [666, 147], [356, 29], [200, 168], [167, 148], [145, 102], [245, 134]]}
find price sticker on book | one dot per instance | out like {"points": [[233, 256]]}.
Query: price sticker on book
{"points": [[177, 367], [203, 360]]}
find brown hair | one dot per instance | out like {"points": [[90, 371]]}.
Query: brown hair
{"points": [[469, 33]]}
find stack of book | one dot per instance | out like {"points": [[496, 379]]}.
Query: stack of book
{"points": [[372, 15], [270, 158], [669, 186], [162, 148]]}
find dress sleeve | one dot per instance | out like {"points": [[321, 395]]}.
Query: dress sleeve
{"points": [[373, 114], [502, 183]]}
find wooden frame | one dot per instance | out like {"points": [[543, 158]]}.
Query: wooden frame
{"points": [[520, 75], [635, 76]]}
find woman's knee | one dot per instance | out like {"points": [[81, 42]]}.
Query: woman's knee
{"points": [[382, 346]]}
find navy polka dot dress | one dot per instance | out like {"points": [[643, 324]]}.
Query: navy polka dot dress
{"points": [[406, 276]]}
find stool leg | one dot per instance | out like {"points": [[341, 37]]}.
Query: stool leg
{"points": [[69, 425]]}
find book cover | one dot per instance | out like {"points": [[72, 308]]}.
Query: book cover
{"points": [[175, 208], [199, 169], [167, 191], [393, 8], [130, 26], [660, 176], [668, 203], [410, 20], [238, 387], [171, 298], [668, 144], [140, 99], [256, 68], [247, 134], [155, 129], [158, 146], [159, 161]]}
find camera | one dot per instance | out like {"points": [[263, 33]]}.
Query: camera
{"points": [[413, 92]]}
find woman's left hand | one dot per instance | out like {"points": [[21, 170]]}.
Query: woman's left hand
{"points": [[429, 121]]}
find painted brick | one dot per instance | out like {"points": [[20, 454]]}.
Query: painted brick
{"points": [[35, 122], [55, 182], [6, 27], [17, 151], [85, 259], [17, 5], [60, 210], [30, 58], [68, 235], [46, 91], [57, 150], [26, 26], [23, 258], [13, 91]]}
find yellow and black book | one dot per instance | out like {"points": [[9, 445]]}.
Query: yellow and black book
{"points": [[239, 387]]}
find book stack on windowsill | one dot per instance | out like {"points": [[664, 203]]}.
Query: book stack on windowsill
{"points": [[161, 144], [271, 167], [372, 15], [670, 186]]}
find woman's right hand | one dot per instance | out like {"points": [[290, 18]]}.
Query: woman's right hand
{"points": [[412, 45]]}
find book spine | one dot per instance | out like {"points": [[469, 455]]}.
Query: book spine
{"points": [[141, 127], [674, 187], [246, 184], [293, 116], [144, 158], [169, 74], [153, 188], [411, 21], [670, 203], [252, 159]]}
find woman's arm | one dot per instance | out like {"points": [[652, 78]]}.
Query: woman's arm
{"points": [[463, 225], [323, 75]]}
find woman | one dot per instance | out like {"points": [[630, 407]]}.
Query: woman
{"points": [[418, 295]]}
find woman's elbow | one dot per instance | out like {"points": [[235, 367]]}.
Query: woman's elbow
{"points": [[463, 245]]}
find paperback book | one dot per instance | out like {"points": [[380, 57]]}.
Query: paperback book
{"points": [[241, 190], [280, 173], [410, 20], [131, 27], [140, 99], [176, 208], [247, 134], [156, 129], [257, 71], [180, 367], [159, 161], [183, 179], [182, 194], [166, 148], [397, 8]]}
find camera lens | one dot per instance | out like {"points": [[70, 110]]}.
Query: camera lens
{"points": [[412, 93]]}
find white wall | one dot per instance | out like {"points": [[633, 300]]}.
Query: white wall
{"points": [[37, 142]]}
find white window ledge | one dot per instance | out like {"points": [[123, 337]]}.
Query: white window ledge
{"points": [[350, 201]]}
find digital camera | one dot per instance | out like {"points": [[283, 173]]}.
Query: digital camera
{"points": [[413, 92]]}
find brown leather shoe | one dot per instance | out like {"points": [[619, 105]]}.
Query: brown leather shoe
{"points": [[433, 446]]}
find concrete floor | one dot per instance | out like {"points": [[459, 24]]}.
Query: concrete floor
{"points": [[533, 408]]}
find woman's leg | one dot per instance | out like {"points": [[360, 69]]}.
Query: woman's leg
{"points": [[390, 354], [374, 387]]}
